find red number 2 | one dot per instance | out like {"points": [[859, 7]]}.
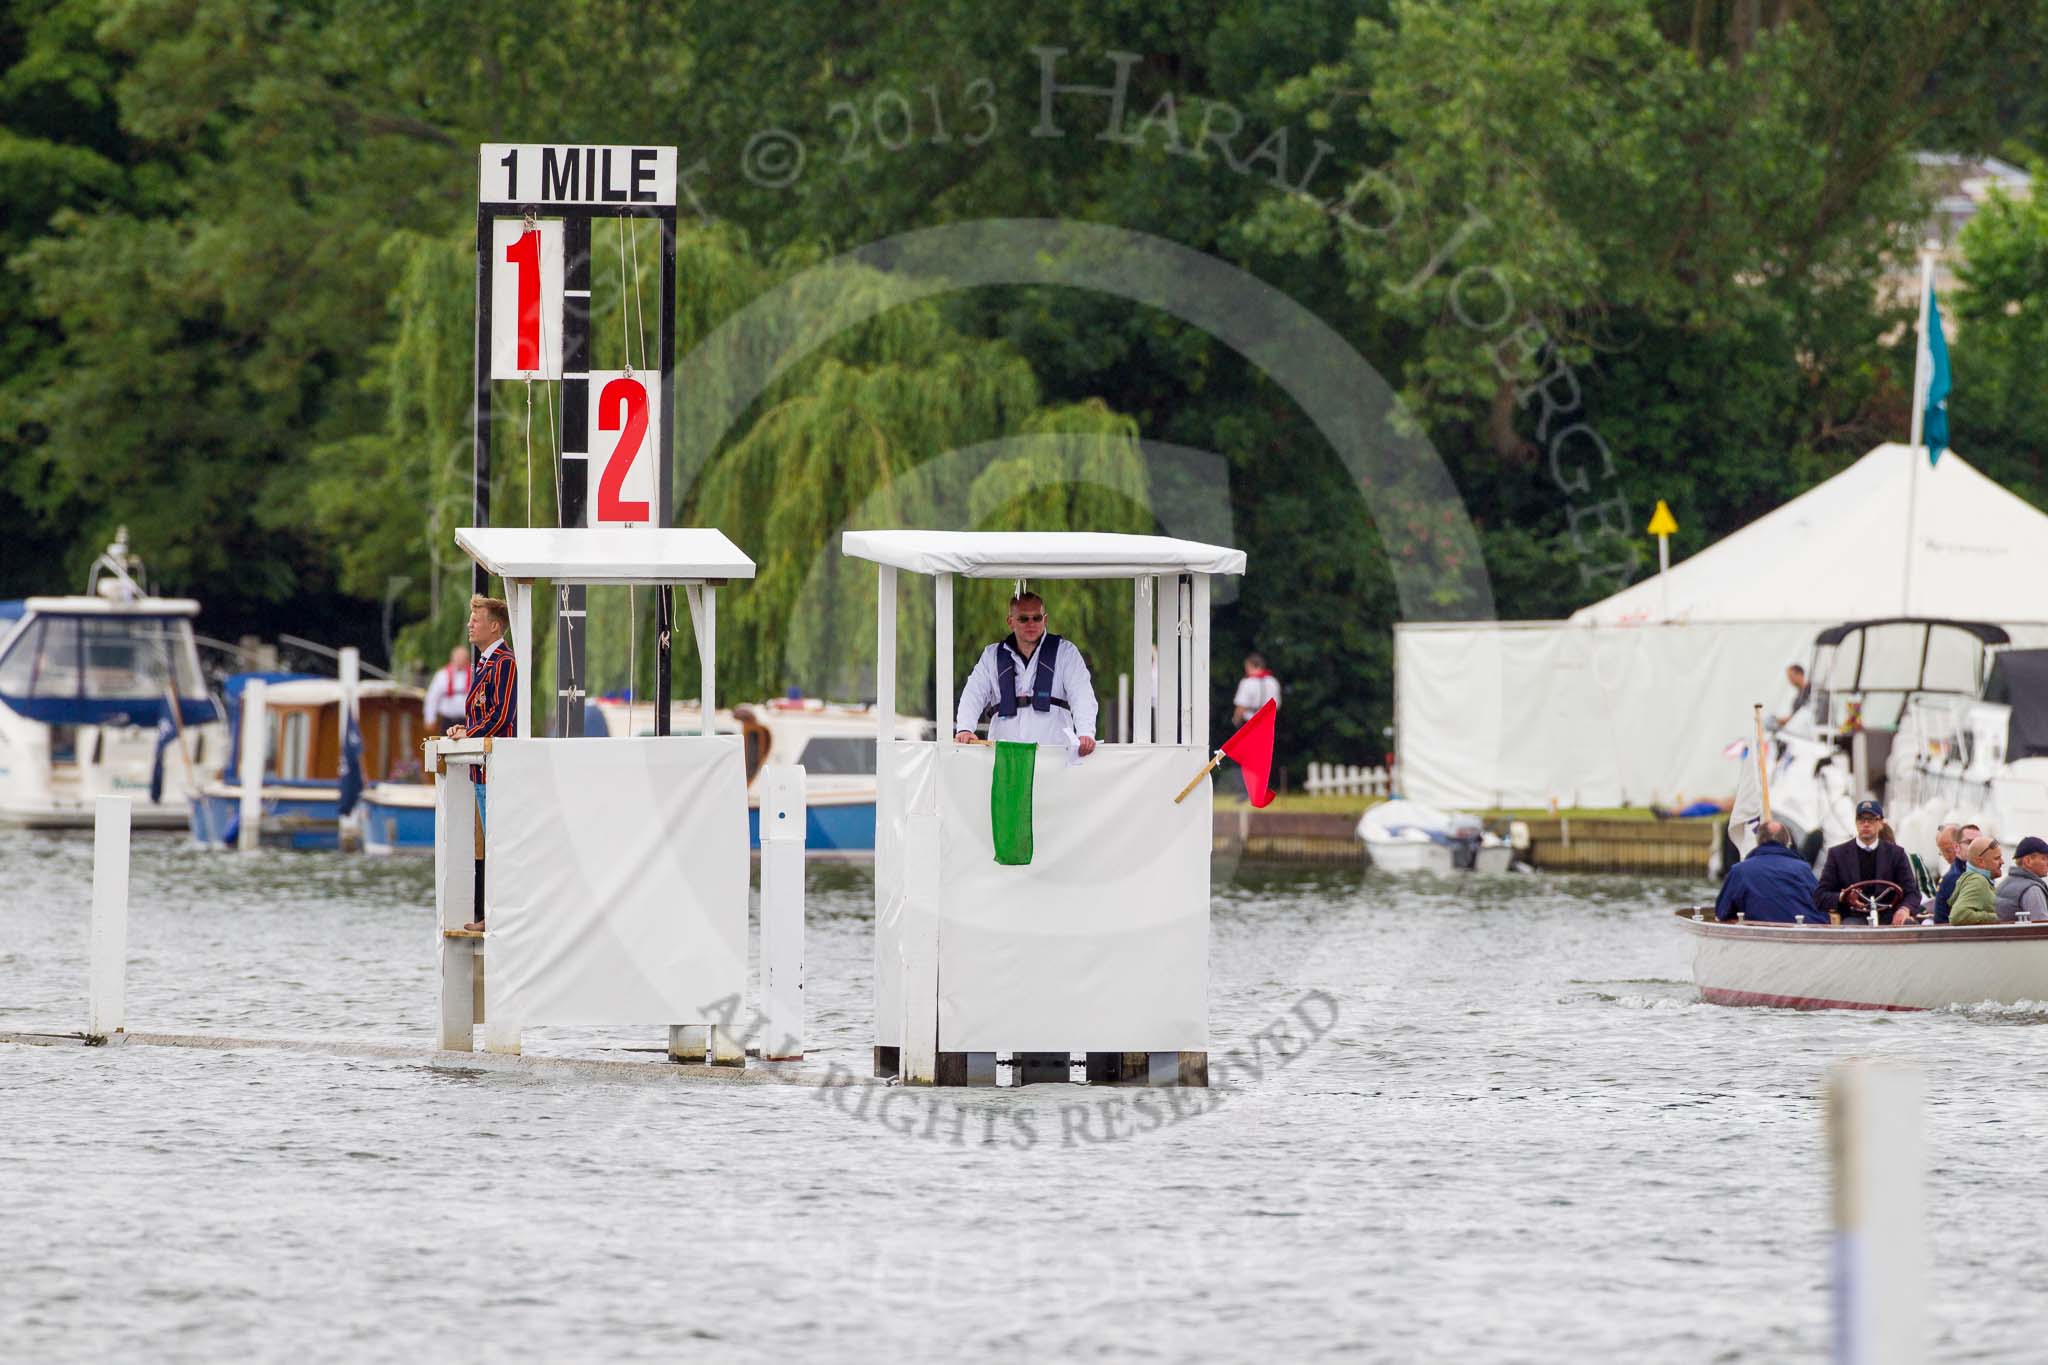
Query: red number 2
{"points": [[525, 253], [622, 407]]}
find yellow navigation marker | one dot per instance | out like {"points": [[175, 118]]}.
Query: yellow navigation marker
{"points": [[1662, 523]]}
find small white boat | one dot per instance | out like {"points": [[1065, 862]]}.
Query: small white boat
{"points": [[101, 695], [1823, 967], [1406, 836]]}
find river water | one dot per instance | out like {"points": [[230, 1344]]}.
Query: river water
{"points": [[1521, 1139]]}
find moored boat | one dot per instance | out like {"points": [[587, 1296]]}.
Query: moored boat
{"points": [[1858, 967], [301, 794], [1406, 836], [101, 695]]}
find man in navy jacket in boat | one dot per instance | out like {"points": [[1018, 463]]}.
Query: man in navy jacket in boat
{"points": [[1773, 885], [1868, 858], [1032, 686]]}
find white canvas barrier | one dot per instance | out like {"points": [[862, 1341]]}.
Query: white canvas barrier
{"points": [[1100, 944], [599, 912], [1513, 713]]}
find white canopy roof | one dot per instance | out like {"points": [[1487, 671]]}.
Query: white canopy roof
{"points": [[611, 554], [1040, 554], [321, 691], [1838, 552], [114, 606]]}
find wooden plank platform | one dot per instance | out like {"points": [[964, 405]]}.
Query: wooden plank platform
{"points": [[1287, 836], [1577, 844]]}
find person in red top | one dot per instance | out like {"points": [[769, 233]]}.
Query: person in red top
{"points": [[446, 692], [492, 707]]}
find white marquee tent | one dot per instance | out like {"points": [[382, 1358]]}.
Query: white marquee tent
{"points": [[1634, 699]]}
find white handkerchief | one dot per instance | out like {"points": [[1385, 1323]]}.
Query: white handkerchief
{"points": [[1073, 746]]}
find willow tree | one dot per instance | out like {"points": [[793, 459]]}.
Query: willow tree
{"points": [[898, 419]]}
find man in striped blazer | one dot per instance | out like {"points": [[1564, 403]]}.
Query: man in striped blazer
{"points": [[492, 707]]}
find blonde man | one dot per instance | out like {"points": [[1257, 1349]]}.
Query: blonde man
{"points": [[492, 707]]}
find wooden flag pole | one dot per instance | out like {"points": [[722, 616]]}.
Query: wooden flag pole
{"points": [[1763, 766], [1207, 768]]}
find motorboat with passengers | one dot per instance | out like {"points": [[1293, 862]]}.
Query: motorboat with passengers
{"points": [[102, 695], [1865, 962]]}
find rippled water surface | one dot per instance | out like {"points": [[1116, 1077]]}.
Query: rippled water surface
{"points": [[1521, 1139]]}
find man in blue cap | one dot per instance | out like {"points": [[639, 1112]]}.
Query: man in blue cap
{"points": [[1773, 885], [1868, 858]]}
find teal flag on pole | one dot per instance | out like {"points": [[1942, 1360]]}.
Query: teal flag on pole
{"points": [[1934, 422]]}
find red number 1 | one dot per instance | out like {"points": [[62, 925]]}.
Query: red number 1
{"points": [[525, 253], [623, 404]]}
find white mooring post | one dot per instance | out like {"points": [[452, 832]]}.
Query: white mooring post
{"points": [[1880, 1271], [255, 759], [455, 902], [783, 817], [106, 993]]}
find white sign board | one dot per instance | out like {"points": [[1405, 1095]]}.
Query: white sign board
{"points": [[625, 420], [526, 299], [619, 873], [543, 174]]}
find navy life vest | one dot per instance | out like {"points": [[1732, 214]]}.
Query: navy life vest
{"points": [[1042, 661]]}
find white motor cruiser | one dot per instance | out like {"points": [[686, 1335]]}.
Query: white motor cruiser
{"points": [[1406, 836], [1867, 682], [101, 695], [1982, 759]]}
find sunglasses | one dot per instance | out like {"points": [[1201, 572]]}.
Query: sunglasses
{"points": [[1040, 616]]}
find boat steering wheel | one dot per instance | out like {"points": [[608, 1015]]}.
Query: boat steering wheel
{"points": [[1881, 896]]}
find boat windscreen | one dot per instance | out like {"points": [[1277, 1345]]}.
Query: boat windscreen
{"points": [[2019, 679], [104, 670], [1901, 656]]}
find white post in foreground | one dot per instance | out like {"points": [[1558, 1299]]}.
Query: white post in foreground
{"points": [[255, 758], [783, 817], [106, 992], [1875, 1142]]}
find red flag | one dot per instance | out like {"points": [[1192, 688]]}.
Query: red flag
{"points": [[1252, 747]]}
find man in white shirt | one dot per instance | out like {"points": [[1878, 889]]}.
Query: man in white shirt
{"points": [[446, 693], [1254, 689], [1032, 687]]}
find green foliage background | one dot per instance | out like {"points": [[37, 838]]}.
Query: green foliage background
{"points": [[238, 305]]}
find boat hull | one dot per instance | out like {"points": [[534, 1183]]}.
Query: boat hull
{"points": [[143, 814], [398, 820], [1839, 967], [292, 818], [1417, 855], [846, 826]]}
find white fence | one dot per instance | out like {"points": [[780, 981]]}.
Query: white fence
{"points": [[1347, 779]]}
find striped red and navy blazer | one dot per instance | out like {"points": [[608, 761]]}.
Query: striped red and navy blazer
{"points": [[492, 707]]}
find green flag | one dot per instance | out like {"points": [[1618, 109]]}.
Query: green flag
{"points": [[1009, 802], [1934, 421]]}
